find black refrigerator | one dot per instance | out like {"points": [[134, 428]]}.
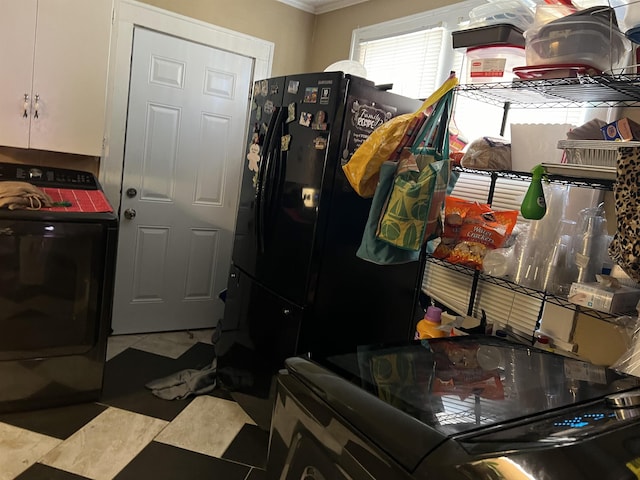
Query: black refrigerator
{"points": [[295, 284]]}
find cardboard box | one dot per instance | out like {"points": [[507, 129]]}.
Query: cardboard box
{"points": [[604, 299], [620, 130]]}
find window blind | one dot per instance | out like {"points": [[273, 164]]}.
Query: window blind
{"points": [[411, 62]]}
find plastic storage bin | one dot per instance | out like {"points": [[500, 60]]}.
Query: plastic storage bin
{"points": [[580, 40], [593, 152], [499, 34], [494, 63]]}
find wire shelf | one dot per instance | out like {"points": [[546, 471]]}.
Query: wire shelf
{"points": [[580, 91], [531, 292], [576, 181]]}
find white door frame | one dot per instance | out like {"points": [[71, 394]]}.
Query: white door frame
{"points": [[130, 14]]}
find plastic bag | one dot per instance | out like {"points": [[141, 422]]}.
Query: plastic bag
{"points": [[362, 170], [488, 153]]}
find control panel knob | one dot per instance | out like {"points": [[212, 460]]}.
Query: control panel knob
{"points": [[129, 213]]}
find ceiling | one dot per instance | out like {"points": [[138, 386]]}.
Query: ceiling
{"points": [[320, 6]]}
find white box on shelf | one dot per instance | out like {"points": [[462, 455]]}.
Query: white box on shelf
{"points": [[604, 299]]}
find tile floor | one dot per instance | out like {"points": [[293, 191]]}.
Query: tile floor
{"points": [[130, 433]]}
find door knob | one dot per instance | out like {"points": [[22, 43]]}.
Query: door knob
{"points": [[131, 192], [129, 213]]}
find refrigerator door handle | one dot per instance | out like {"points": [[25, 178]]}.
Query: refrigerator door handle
{"points": [[264, 175], [258, 209], [274, 179]]}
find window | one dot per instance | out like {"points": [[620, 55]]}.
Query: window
{"points": [[416, 55], [411, 62]]}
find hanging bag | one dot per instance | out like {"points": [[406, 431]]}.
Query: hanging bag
{"points": [[411, 215], [371, 248], [362, 170]]}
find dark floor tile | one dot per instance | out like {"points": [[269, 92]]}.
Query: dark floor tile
{"points": [[39, 471], [199, 356], [250, 447], [59, 422], [257, 474], [221, 393], [165, 462]]}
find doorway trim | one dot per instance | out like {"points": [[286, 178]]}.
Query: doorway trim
{"points": [[128, 15]]}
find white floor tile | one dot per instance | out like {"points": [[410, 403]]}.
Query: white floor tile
{"points": [[203, 336], [104, 446], [119, 343], [19, 449], [207, 425]]}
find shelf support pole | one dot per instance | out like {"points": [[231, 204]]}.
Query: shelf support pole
{"points": [[505, 114]]}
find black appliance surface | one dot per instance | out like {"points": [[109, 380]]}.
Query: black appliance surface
{"points": [[56, 291], [454, 408], [42, 176], [295, 283]]}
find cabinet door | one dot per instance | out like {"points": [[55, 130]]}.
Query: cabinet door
{"points": [[17, 37], [70, 75]]}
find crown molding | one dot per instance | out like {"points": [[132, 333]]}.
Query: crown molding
{"points": [[318, 7]]}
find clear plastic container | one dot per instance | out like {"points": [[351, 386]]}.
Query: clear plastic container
{"points": [[498, 262], [513, 12], [494, 63], [585, 42]]}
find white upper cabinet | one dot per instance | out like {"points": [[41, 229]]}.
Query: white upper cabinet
{"points": [[54, 56]]}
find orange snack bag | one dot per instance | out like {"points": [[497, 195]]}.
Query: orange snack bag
{"points": [[482, 231], [455, 214]]}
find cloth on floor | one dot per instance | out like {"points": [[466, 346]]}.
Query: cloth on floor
{"points": [[185, 382]]}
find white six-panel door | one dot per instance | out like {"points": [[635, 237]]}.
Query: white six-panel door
{"points": [[184, 149]]}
